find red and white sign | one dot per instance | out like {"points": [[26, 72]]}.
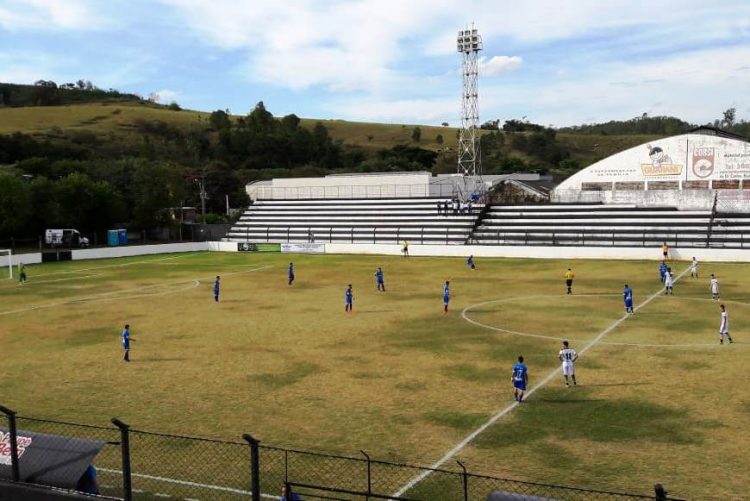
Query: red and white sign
{"points": [[22, 442], [703, 162]]}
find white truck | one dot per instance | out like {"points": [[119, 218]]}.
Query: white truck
{"points": [[67, 238]]}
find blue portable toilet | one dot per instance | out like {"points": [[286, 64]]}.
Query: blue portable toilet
{"points": [[113, 238], [123, 237]]}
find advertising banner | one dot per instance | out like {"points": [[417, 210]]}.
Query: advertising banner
{"points": [[304, 248], [257, 247]]}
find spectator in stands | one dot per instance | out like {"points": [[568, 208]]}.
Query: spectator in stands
{"points": [[310, 236], [456, 206], [665, 251], [439, 207], [287, 494], [448, 207], [469, 208]]}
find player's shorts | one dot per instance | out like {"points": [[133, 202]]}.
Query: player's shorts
{"points": [[446, 299], [568, 369], [628, 304], [569, 282], [125, 346], [519, 385]]}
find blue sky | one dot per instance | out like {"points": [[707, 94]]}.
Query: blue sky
{"points": [[554, 62]]}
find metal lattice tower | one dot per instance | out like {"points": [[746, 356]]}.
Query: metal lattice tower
{"points": [[469, 43]]}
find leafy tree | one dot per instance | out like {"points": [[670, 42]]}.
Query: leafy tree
{"points": [[729, 117], [220, 120], [157, 186], [15, 204], [416, 134]]}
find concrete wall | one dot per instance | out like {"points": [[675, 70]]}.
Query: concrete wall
{"points": [[389, 185], [110, 252], [727, 200], [544, 252]]}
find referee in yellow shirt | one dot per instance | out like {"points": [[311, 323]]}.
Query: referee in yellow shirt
{"points": [[569, 280]]}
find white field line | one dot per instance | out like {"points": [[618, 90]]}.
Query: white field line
{"points": [[460, 446], [117, 295], [145, 261], [37, 282], [188, 483], [557, 338]]}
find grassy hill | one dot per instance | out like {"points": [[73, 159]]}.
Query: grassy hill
{"points": [[120, 121]]}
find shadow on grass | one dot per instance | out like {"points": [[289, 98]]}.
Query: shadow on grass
{"points": [[277, 380], [569, 416]]}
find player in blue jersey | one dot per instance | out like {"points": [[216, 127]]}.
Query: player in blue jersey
{"points": [[662, 270], [126, 342], [520, 379], [470, 262], [379, 279], [446, 296], [291, 273], [627, 296], [349, 299], [217, 286]]}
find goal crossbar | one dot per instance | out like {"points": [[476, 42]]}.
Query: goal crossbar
{"points": [[9, 258]]}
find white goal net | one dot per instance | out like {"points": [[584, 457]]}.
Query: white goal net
{"points": [[5, 260]]}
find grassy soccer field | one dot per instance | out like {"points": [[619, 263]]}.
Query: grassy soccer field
{"points": [[658, 401]]}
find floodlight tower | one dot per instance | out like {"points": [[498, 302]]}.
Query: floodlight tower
{"points": [[469, 43]]}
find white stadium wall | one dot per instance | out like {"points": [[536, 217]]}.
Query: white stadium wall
{"points": [[393, 185], [683, 171], [416, 250]]}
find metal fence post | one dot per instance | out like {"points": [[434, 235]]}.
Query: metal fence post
{"points": [[465, 477], [369, 475], [127, 485], [13, 432], [254, 465]]}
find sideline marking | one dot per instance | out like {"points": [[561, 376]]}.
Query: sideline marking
{"points": [[555, 372], [608, 343], [188, 483]]}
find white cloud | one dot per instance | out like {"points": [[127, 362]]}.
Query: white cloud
{"points": [[45, 15], [497, 65]]}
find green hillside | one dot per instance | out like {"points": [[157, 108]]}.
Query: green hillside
{"points": [[123, 122]]}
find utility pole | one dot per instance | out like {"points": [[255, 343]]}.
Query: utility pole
{"points": [[201, 182]]}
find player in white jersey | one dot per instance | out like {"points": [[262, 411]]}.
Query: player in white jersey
{"points": [[714, 288], [668, 282], [694, 268], [568, 356], [724, 327]]}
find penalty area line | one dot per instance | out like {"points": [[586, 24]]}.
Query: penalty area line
{"points": [[507, 410]]}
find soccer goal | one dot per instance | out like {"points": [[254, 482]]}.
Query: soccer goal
{"points": [[5, 255]]}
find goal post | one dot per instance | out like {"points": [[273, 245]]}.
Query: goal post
{"points": [[6, 256]]}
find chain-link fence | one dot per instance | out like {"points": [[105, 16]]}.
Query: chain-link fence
{"points": [[141, 465]]}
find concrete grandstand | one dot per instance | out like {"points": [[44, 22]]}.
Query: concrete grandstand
{"points": [[691, 190]]}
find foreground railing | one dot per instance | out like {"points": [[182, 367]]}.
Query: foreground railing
{"points": [[138, 464]]}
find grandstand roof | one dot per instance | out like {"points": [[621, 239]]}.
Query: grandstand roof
{"points": [[708, 130]]}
